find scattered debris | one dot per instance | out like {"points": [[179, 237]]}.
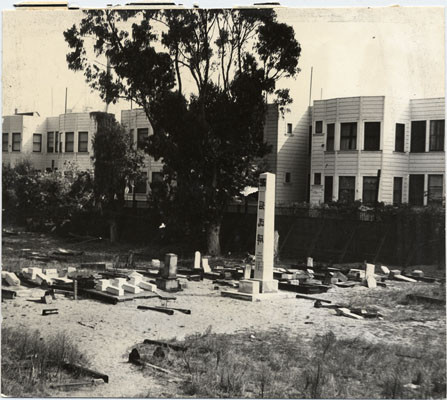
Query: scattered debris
{"points": [[86, 325], [85, 371], [174, 347], [159, 309], [346, 312], [50, 311]]}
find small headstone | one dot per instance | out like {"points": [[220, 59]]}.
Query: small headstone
{"points": [[169, 270], [247, 271], [197, 259], [10, 278], [102, 285], [371, 282], [385, 270], [205, 265], [155, 263], [369, 270], [310, 262], [418, 273]]}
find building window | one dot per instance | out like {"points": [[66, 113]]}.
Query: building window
{"points": [[346, 189], [50, 142], [141, 184], [69, 142], [372, 136], [5, 141], [330, 137], [435, 185], [289, 129], [397, 190], [328, 187], [418, 136], [287, 177], [400, 138], [348, 136], [83, 142], [56, 141], [132, 140], [16, 141], [319, 127], [437, 135], [142, 135], [309, 149], [370, 188], [317, 178], [37, 143], [416, 190]]}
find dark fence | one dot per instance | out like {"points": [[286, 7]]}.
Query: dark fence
{"points": [[403, 236]]}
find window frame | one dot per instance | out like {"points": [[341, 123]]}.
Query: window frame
{"points": [[346, 178], [52, 136], [414, 144], [327, 192], [418, 198], [5, 149], [67, 142], [289, 128], [318, 127], [330, 134], [82, 142], [439, 139], [439, 200], [14, 142], [288, 177], [37, 135], [398, 190], [370, 141], [396, 141], [367, 198], [317, 175], [350, 137]]}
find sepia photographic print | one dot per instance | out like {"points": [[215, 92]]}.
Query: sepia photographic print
{"points": [[210, 202]]}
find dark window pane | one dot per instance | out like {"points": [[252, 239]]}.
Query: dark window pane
{"points": [[319, 127], [416, 190], [435, 185], [348, 136], [16, 141], [317, 178], [37, 143], [370, 186], [330, 137], [372, 136], [346, 189], [69, 142], [397, 190], [418, 136], [5, 141], [400, 138], [142, 135], [328, 187], [83, 142], [437, 135], [141, 184], [289, 129], [287, 177], [50, 142]]}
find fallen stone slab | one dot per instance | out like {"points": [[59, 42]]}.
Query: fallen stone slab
{"points": [[399, 277], [50, 311], [115, 291], [131, 288], [346, 312], [10, 278], [148, 286], [302, 296]]}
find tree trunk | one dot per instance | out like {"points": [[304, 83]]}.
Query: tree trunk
{"points": [[113, 230], [213, 240]]}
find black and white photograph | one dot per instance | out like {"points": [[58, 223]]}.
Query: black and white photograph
{"points": [[229, 201]]}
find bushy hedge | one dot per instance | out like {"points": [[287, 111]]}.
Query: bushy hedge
{"points": [[45, 199]]}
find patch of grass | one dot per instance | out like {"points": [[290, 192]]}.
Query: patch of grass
{"points": [[30, 362], [277, 365]]}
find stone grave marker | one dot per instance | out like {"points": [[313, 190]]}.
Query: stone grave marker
{"points": [[197, 260]]}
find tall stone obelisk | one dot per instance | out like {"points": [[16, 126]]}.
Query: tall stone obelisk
{"points": [[265, 235]]}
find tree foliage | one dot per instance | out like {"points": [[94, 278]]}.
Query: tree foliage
{"points": [[202, 78]]}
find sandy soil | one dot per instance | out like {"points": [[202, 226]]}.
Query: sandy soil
{"points": [[113, 330], [116, 328]]}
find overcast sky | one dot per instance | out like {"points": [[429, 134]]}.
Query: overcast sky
{"points": [[358, 51]]}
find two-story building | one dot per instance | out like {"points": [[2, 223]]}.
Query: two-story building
{"points": [[377, 148]]}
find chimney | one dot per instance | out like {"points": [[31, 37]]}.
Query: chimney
{"points": [[15, 111]]}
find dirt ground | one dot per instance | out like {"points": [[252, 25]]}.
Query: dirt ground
{"points": [[107, 333]]}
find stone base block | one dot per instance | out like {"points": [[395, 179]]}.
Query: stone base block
{"points": [[249, 286], [116, 291], [268, 286], [168, 285], [131, 288], [135, 280], [118, 282], [147, 286], [10, 278]]}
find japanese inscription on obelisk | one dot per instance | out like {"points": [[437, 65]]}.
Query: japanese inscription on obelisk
{"points": [[265, 234]]}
